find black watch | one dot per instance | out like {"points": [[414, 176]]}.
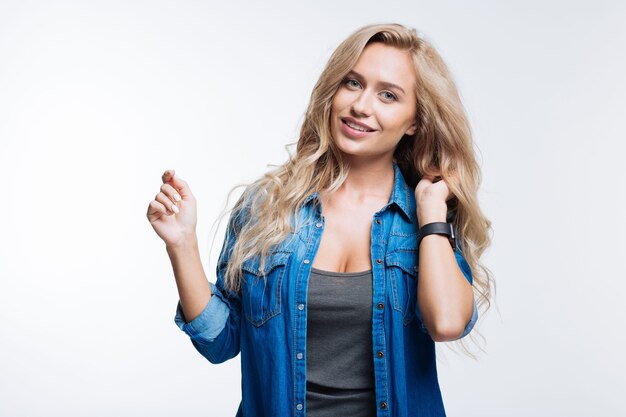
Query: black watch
{"points": [[439, 228]]}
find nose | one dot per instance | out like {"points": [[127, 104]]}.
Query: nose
{"points": [[362, 105]]}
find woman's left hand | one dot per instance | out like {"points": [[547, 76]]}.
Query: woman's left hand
{"points": [[431, 198]]}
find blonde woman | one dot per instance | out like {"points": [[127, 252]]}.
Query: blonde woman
{"points": [[341, 268]]}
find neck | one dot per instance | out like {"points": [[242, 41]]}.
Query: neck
{"points": [[366, 180]]}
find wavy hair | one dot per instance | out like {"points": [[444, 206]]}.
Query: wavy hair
{"points": [[442, 146]]}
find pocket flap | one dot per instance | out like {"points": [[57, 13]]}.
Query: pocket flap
{"points": [[405, 259], [272, 260]]}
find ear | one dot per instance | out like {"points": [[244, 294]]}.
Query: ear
{"points": [[411, 130]]}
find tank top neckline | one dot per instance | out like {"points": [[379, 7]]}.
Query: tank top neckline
{"points": [[343, 274]]}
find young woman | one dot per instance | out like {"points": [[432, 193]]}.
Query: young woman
{"points": [[341, 268]]}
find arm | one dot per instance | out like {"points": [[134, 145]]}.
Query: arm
{"points": [[213, 325], [445, 296], [193, 287]]}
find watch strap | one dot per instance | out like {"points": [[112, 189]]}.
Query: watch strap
{"points": [[439, 228]]}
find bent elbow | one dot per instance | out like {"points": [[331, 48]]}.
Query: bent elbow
{"points": [[446, 332]]}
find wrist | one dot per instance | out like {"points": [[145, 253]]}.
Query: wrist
{"points": [[431, 215], [434, 219], [184, 244]]}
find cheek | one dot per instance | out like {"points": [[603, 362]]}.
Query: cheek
{"points": [[333, 125], [395, 121], [335, 110], [342, 99]]}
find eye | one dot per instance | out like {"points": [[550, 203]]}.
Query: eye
{"points": [[347, 81], [391, 96]]}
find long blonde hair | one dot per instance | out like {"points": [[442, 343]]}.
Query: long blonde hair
{"points": [[442, 145]]}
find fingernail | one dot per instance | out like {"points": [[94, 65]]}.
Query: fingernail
{"points": [[174, 208], [177, 197]]}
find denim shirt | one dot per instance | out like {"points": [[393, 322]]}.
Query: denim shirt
{"points": [[266, 321]]}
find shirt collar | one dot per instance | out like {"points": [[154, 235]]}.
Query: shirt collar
{"points": [[401, 195]]}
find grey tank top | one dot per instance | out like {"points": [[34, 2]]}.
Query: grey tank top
{"points": [[339, 359]]}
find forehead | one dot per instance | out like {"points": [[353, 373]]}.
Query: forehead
{"points": [[384, 63]]}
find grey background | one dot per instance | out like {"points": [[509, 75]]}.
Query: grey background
{"points": [[98, 98]]}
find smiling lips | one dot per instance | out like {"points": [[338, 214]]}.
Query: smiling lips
{"points": [[354, 129], [362, 127]]}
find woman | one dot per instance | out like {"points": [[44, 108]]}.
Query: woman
{"points": [[317, 281]]}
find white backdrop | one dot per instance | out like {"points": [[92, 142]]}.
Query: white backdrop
{"points": [[98, 98]]}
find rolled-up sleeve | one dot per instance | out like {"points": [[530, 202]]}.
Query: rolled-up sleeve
{"points": [[471, 323], [211, 321], [215, 332], [467, 271]]}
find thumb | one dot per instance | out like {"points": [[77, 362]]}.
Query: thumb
{"points": [[181, 186]]}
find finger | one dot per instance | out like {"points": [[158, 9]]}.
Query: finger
{"points": [[167, 175], [181, 186], [426, 180], [169, 204], [428, 177], [432, 178], [155, 208], [173, 198], [442, 183], [169, 191]]}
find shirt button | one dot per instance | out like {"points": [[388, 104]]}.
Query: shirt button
{"points": [[380, 306], [378, 221], [379, 261], [306, 261], [380, 354], [300, 355], [383, 404], [318, 224], [299, 406], [300, 306]]}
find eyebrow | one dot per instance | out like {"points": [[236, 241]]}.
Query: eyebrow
{"points": [[383, 83]]}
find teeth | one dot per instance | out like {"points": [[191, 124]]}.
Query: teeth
{"points": [[356, 127]]}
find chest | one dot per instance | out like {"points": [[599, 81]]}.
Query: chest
{"points": [[346, 239], [387, 246]]}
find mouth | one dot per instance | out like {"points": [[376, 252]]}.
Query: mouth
{"points": [[354, 130], [356, 126]]}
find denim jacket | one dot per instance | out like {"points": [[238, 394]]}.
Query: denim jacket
{"points": [[266, 321]]}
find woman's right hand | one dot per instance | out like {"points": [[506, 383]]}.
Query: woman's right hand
{"points": [[173, 213]]}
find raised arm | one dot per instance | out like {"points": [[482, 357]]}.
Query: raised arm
{"points": [[445, 295]]}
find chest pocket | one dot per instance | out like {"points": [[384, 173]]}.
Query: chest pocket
{"points": [[261, 296], [402, 267]]}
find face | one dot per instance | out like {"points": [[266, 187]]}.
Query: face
{"points": [[375, 103]]}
